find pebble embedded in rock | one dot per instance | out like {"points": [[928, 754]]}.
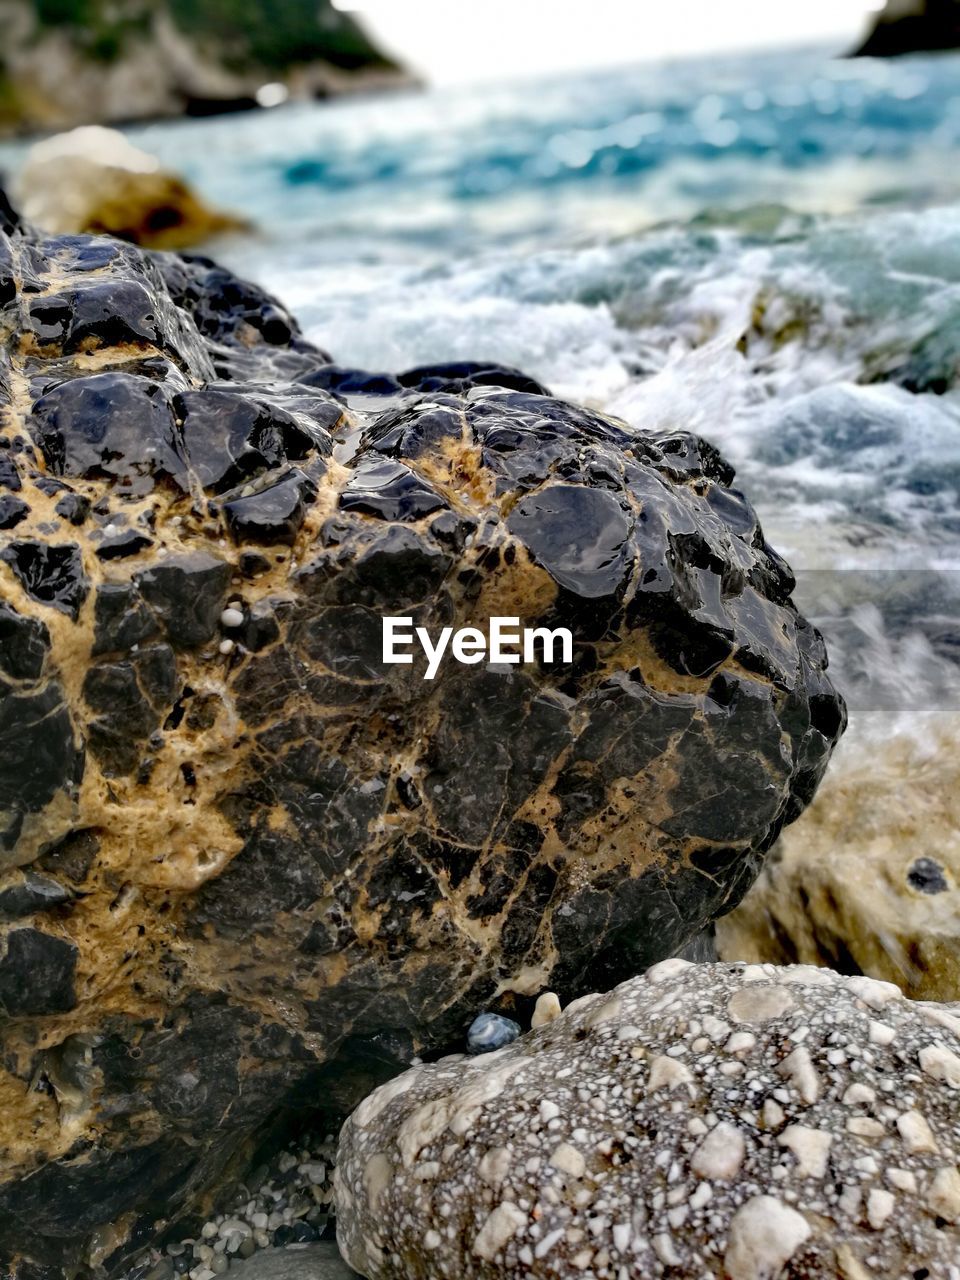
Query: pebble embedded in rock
{"points": [[32, 894], [759, 1003], [490, 1031], [619, 1147], [36, 973], [547, 1009], [926, 875], [765, 1234], [271, 511], [720, 1154], [51, 574]]}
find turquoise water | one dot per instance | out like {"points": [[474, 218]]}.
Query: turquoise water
{"points": [[587, 156], [765, 249]]}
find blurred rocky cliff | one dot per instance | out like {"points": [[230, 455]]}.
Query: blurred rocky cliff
{"points": [[913, 26], [68, 62]]}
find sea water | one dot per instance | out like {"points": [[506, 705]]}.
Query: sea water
{"points": [[763, 249]]}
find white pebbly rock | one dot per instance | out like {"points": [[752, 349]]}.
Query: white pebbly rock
{"points": [[614, 1142]]}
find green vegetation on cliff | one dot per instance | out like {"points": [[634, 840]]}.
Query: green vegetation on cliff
{"points": [[70, 62], [276, 33], [99, 30], [272, 34]]}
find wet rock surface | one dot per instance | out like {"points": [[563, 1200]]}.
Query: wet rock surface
{"points": [[744, 1121], [253, 866]]}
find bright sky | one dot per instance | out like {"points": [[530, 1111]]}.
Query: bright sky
{"points": [[451, 41]]}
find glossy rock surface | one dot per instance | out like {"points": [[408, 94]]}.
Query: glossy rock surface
{"points": [[244, 866]]}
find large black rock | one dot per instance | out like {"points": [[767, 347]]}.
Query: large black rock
{"points": [[245, 866]]}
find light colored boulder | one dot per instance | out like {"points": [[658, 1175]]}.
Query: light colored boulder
{"points": [[93, 180], [634, 1135], [868, 877]]}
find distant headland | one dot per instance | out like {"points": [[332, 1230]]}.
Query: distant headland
{"points": [[913, 26], [70, 62]]}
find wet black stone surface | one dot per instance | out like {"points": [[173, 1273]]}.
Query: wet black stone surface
{"points": [[73, 507], [272, 513], [128, 700], [12, 511], [51, 573], [390, 490], [120, 545], [186, 593], [246, 867], [121, 618], [72, 857], [32, 894], [228, 436], [36, 973], [579, 535], [24, 643], [39, 756], [462, 375], [117, 424]]}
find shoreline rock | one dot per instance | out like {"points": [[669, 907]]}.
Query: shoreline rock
{"points": [[867, 880], [247, 868], [699, 1120], [92, 180]]}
